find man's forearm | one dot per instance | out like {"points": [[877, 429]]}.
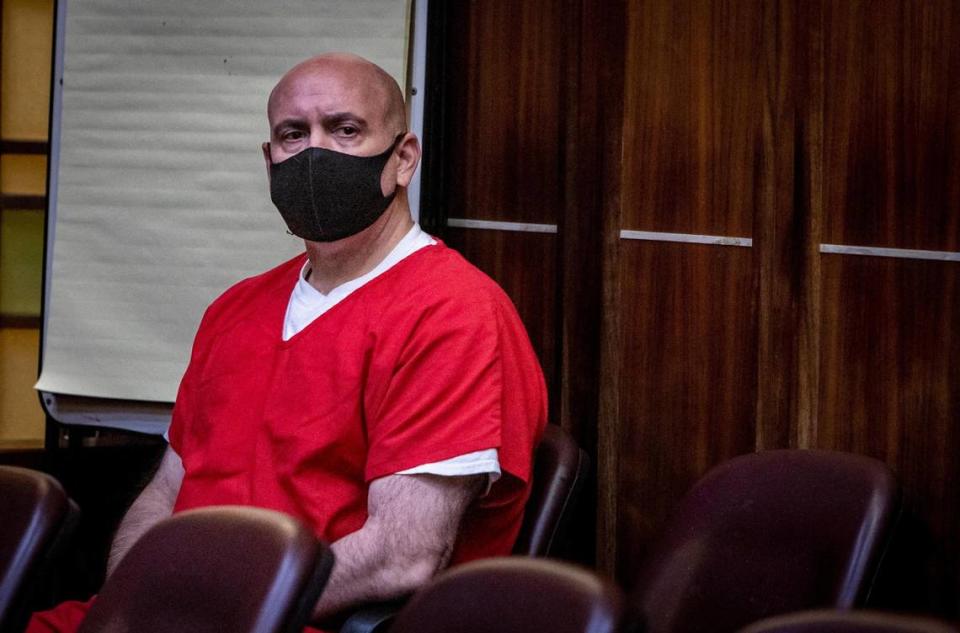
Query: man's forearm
{"points": [[364, 572], [408, 537], [154, 504]]}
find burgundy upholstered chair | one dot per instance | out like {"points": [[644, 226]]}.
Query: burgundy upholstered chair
{"points": [[227, 568], [826, 621], [36, 517], [513, 595], [765, 534], [559, 470]]}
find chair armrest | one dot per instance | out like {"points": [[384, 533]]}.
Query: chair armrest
{"points": [[372, 618]]}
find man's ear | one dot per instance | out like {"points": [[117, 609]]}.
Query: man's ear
{"points": [[408, 153], [265, 147]]}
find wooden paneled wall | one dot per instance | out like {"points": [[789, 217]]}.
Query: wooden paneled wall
{"points": [[890, 326], [714, 172], [502, 154]]}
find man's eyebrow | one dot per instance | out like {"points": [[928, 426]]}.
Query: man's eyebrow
{"points": [[288, 122], [336, 118]]}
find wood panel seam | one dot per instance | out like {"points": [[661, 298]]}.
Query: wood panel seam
{"points": [[687, 238], [882, 251], [496, 225]]}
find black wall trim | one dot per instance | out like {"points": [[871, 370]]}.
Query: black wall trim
{"points": [[10, 146], [30, 203], [19, 321], [433, 212]]}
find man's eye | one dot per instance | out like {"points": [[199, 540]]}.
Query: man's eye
{"points": [[347, 130], [292, 135]]}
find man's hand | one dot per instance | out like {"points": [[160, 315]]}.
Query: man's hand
{"points": [[409, 535], [154, 504]]}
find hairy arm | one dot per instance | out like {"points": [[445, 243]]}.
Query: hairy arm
{"points": [[409, 535], [154, 504]]}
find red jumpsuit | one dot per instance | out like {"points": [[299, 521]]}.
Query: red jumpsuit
{"points": [[425, 362]]}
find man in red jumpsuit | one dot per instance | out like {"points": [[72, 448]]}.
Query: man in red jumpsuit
{"points": [[379, 387]]}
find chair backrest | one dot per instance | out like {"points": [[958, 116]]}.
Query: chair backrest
{"points": [[827, 621], [559, 470], [227, 568], [769, 533], [34, 512], [513, 595]]}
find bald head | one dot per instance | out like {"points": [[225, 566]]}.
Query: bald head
{"points": [[346, 104], [343, 74]]}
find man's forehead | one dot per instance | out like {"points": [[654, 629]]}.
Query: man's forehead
{"points": [[323, 86]]}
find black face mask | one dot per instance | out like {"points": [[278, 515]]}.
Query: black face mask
{"points": [[325, 196]]}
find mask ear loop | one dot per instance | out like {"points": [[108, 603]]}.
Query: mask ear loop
{"points": [[270, 158], [393, 148]]}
